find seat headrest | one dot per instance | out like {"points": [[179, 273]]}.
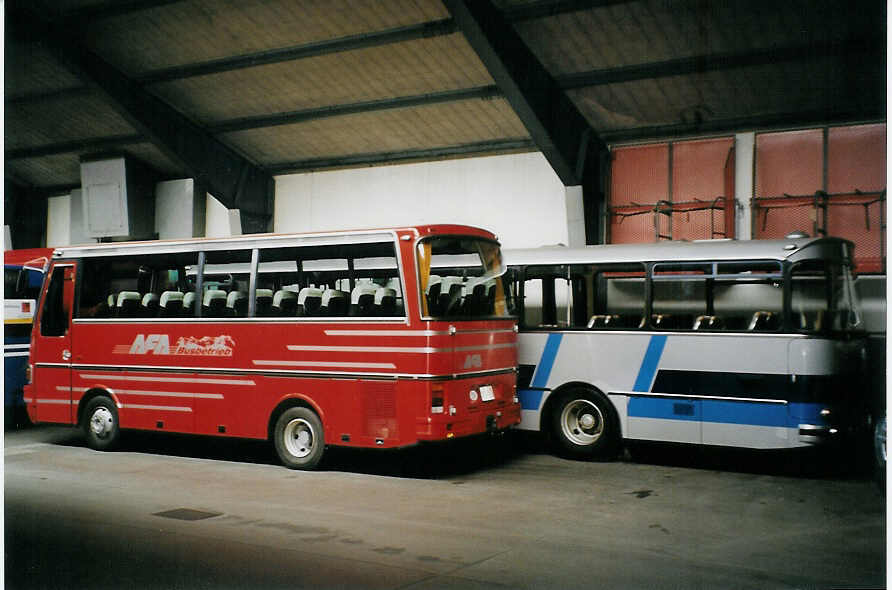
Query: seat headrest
{"points": [[383, 292], [169, 297], [308, 293], [282, 295], [128, 296], [360, 290], [235, 296], [213, 295]]}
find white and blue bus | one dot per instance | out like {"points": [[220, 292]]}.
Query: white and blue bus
{"points": [[23, 272], [751, 344]]}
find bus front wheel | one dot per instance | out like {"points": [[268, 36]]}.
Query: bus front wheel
{"points": [[584, 425], [100, 424], [299, 439]]}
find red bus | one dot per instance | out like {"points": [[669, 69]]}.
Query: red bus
{"points": [[310, 340]]}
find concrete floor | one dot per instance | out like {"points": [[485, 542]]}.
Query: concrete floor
{"points": [[466, 516]]}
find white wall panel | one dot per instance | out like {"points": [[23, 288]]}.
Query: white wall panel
{"points": [[517, 196]]}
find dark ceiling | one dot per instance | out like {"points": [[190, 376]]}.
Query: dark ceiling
{"points": [[243, 90]]}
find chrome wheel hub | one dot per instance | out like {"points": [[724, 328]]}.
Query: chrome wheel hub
{"points": [[102, 422], [582, 422], [298, 437]]}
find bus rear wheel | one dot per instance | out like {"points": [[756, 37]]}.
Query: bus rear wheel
{"points": [[299, 439], [100, 424], [584, 426]]}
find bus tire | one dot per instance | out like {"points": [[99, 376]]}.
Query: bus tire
{"points": [[299, 438], [100, 424], [584, 425]]}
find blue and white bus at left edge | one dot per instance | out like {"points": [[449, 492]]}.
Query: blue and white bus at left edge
{"points": [[750, 344], [23, 272]]}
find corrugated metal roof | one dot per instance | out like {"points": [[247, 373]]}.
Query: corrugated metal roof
{"points": [[336, 83]]}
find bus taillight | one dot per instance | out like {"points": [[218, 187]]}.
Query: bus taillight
{"points": [[29, 370], [26, 307]]}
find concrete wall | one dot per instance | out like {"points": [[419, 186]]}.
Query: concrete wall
{"points": [[517, 196]]}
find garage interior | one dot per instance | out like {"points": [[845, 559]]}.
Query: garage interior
{"points": [[546, 121]]}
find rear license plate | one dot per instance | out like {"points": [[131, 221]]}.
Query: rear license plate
{"points": [[486, 393]]}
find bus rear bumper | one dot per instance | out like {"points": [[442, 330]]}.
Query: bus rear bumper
{"points": [[480, 422]]}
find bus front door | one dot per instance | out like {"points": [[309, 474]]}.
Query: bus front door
{"points": [[51, 348]]}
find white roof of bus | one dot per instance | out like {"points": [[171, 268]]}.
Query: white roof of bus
{"points": [[662, 251]]}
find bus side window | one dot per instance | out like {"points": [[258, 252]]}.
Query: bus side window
{"points": [[679, 295], [546, 297], [618, 301]]}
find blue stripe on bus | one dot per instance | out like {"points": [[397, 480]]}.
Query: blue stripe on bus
{"points": [[726, 411], [546, 363], [530, 399], [649, 363]]}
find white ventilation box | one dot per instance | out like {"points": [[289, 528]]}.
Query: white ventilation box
{"points": [[118, 200]]}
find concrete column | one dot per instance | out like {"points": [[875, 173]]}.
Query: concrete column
{"points": [[744, 154], [575, 216]]}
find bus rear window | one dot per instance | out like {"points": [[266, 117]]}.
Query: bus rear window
{"points": [[461, 278]]}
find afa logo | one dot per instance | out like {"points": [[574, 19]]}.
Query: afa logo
{"points": [[159, 344], [473, 361], [153, 343]]}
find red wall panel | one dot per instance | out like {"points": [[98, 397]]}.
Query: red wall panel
{"points": [[639, 174], [698, 168], [790, 163], [856, 158]]}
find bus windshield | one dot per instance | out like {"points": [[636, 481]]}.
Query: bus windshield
{"points": [[461, 278]]}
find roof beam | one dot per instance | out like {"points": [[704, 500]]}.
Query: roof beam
{"points": [[502, 146], [555, 7], [349, 43], [78, 145], [768, 122], [708, 62], [289, 118], [232, 179], [555, 124]]}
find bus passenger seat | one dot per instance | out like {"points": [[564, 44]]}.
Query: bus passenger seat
{"points": [[263, 303], [334, 303], [362, 299], [237, 304], [308, 301], [214, 303], [385, 301], [604, 321], [170, 304], [763, 320], [285, 303], [128, 304], [450, 294], [707, 322], [432, 293], [189, 303], [150, 303]]}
